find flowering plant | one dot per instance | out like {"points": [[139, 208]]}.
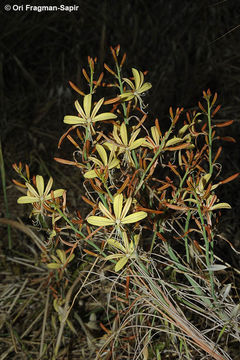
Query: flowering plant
{"points": [[140, 186]]}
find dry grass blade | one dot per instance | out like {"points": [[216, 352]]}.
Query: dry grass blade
{"points": [[161, 302]]}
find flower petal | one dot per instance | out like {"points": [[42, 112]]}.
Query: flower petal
{"points": [[155, 135], [73, 120], [114, 256], [100, 221], [137, 143], [96, 108], [123, 133], [90, 174], [149, 143], [62, 255], [116, 244], [131, 248], [31, 190], [105, 211], [40, 184], [109, 146], [49, 186], [114, 163], [102, 153], [96, 161], [126, 208], [136, 239], [175, 140], [54, 266], [137, 216], [104, 116], [27, 200], [115, 135], [141, 78], [145, 87], [87, 104], [79, 109], [56, 194], [117, 205], [125, 241], [134, 135], [127, 95], [121, 263], [130, 83], [70, 258], [137, 78]]}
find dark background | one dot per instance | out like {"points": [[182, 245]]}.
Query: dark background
{"points": [[187, 47]]}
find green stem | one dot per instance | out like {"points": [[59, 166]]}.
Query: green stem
{"points": [[186, 237], [180, 185], [91, 79], [154, 236], [108, 191], [121, 91], [103, 200], [135, 159], [141, 182], [208, 261], [85, 150], [210, 159], [209, 137]]}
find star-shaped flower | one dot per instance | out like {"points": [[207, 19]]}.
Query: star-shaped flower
{"points": [[40, 195], [128, 250], [124, 145], [61, 260], [154, 142], [136, 89], [87, 117], [104, 165], [120, 217]]}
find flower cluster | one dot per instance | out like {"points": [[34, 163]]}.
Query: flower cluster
{"points": [[135, 177]]}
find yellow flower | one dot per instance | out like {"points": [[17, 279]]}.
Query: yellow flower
{"points": [[106, 163], [128, 250], [136, 89], [123, 144], [120, 216], [61, 260], [88, 118], [40, 195], [154, 142]]}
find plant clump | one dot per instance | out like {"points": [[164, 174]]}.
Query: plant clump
{"points": [[149, 238]]}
